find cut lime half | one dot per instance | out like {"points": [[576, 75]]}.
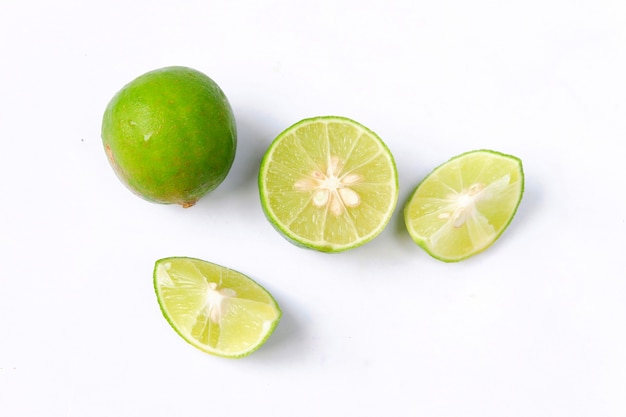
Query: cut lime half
{"points": [[328, 183], [216, 309], [464, 205]]}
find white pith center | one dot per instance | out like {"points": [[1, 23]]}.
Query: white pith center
{"points": [[217, 301], [463, 205], [331, 189]]}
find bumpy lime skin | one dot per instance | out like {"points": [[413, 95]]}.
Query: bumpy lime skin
{"points": [[170, 135]]}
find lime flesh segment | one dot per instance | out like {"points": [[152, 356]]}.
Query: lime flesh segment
{"points": [[216, 309], [464, 205], [328, 183]]}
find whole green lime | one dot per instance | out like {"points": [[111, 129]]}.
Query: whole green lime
{"points": [[170, 135]]}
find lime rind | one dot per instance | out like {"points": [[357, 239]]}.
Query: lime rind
{"points": [[170, 135], [481, 230], [242, 313], [375, 153]]}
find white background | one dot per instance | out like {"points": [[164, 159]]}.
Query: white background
{"points": [[535, 326]]}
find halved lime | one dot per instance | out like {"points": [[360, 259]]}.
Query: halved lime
{"points": [[464, 205], [328, 183], [216, 309]]}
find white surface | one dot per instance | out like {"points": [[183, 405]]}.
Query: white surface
{"points": [[533, 327]]}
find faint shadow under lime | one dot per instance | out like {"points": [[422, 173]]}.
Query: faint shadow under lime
{"points": [[254, 135], [530, 205], [288, 342]]}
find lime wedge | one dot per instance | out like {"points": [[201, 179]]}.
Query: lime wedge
{"points": [[328, 183], [215, 309], [464, 205]]}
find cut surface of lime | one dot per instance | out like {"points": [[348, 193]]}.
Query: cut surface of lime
{"points": [[328, 183], [464, 205], [216, 309]]}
